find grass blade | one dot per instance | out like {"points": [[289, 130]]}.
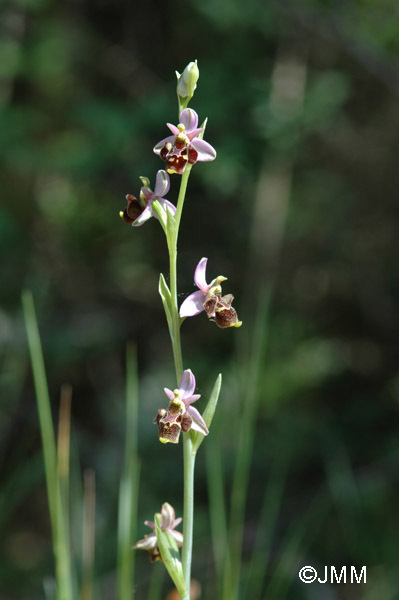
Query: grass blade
{"points": [[246, 432], [127, 515], [89, 518], [58, 522], [266, 528], [156, 583], [217, 511]]}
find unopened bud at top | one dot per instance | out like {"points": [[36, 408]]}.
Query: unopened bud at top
{"points": [[186, 84]]}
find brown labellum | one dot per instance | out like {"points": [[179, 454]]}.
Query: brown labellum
{"points": [[225, 316], [169, 426], [133, 209]]}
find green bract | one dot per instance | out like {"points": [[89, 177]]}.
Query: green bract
{"points": [[170, 555]]}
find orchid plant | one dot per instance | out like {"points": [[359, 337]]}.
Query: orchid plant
{"points": [[180, 152]]}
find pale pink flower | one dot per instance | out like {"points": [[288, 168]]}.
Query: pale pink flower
{"points": [[138, 212], [209, 298], [194, 304], [180, 416], [184, 146], [168, 523]]}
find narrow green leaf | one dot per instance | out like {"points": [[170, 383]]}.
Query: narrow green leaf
{"points": [[217, 510], [208, 413], [170, 556], [128, 490], [88, 535], [50, 588], [166, 298], [170, 224], [156, 582], [203, 126], [58, 518]]}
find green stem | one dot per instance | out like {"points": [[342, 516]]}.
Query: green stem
{"points": [[172, 247], [188, 456], [175, 333], [188, 512], [182, 195]]}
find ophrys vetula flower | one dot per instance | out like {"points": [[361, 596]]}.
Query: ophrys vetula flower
{"points": [[209, 298], [168, 523], [184, 146], [180, 415], [139, 211]]}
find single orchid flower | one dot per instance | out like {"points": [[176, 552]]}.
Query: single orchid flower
{"points": [[168, 523], [194, 304], [184, 146], [180, 416], [209, 298], [138, 212]]}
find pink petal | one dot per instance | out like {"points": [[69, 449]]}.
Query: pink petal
{"points": [[198, 423], [189, 118], [193, 305], [200, 276], [145, 215], [173, 128], [150, 524], [192, 134], [178, 537], [158, 147], [162, 184], [192, 399], [167, 205], [169, 393], [206, 152], [167, 516], [147, 193], [187, 383], [177, 521], [149, 542]]}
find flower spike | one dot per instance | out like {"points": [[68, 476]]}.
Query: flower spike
{"points": [[184, 146], [209, 299]]}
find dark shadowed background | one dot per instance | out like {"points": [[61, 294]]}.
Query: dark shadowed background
{"points": [[299, 210]]}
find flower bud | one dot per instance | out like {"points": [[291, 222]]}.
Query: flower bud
{"points": [[186, 84]]}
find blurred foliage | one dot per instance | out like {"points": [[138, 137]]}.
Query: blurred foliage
{"points": [[85, 92]]}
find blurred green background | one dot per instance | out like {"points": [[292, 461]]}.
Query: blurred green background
{"points": [[299, 210]]}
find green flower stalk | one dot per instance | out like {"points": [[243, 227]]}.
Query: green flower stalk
{"points": [[180, 152]]}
